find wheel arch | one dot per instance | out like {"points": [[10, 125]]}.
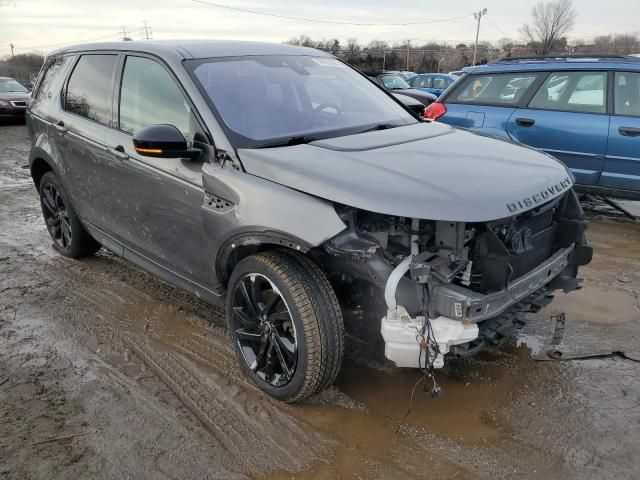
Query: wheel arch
{"points": [[241, 246], [38, 166]]}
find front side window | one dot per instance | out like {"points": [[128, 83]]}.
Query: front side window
{"points": [[422, 82], [505, 89], [266, 99], [441, 82], [626, 94], [89, 88], [12, 86], [150, 96], [582, 92]]}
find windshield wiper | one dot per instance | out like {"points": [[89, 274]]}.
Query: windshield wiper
{"points": [[296, 140], [380, 126]]}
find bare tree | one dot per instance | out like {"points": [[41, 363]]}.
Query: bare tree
{"points": [[352, 49], [549, 23]]}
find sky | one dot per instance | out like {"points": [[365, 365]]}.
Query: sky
{"points": [[45, 25]]}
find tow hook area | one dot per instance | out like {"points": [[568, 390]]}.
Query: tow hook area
{"points": [[402, 333]]}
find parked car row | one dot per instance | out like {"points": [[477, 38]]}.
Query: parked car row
{"points": [[583, 111]]}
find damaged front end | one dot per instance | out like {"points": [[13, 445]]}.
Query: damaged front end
{"points": [[464, 285]]}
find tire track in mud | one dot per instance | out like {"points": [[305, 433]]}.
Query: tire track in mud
{"points": [[200, 368]]}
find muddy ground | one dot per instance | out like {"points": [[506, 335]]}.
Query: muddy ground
{"points": [[107, 372]]}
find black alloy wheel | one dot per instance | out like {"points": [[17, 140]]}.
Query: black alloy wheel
{"points": [[264, 330], [56, 216]]}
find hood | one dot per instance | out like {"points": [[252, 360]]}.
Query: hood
{"points": [[406, 100], [426, 170], [415, 93]]}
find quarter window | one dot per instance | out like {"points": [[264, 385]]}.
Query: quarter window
{"points": [[150, 96], [572, 92], [626, 94], [89, 88], [495, 89]]}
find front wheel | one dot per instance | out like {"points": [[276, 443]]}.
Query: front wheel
{"points": [[286, 324]]}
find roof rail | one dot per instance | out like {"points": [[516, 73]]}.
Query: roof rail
{"points": [[570, 57]]}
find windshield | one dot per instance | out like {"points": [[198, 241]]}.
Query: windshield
{"points": [[394, 82], [7, 86], [265, 99]]}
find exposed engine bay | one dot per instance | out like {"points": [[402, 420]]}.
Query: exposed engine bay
{"points": [[455, 287]]}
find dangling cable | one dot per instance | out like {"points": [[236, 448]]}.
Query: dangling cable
{"points": [[427, 340]]}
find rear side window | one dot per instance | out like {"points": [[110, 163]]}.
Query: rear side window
{"points": [[582, 92], [626, 94], [49, 85], [499, 89], [89, 88], [150, 96]]}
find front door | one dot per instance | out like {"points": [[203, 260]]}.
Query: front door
{"points": [[567, 118], [156, 211], [622, 163]]}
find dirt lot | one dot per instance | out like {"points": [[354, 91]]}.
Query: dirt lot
{"points": [[107, 372]]}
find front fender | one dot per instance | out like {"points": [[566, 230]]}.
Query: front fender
{"points": [[241, 208]]}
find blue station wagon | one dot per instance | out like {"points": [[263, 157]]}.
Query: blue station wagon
{"points": [[583, 111]]}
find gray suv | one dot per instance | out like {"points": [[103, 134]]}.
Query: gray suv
{"points": [[285, 185]]}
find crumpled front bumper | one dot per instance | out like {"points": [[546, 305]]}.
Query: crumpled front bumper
{"points": [[459, 311]]}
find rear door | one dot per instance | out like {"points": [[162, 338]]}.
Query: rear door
{"points": [[80, 133], [622, 162], [567, 117], [485, 102]]}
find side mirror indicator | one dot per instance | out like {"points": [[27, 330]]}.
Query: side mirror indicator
{"points": [[162, 141]]}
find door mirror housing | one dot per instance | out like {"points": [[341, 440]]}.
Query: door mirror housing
{"points": [[162, 141]]}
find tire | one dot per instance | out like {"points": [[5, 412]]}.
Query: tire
{"points": [[69, 237], [307, 316]]}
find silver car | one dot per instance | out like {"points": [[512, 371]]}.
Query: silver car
{"points": [[283, 184]]}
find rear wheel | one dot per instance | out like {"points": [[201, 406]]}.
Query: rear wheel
{"points": [[68, 235], [286, 324]]}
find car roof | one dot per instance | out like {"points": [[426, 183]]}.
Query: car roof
{"points": [[560, 63], [191, 49], [7, 78], [433, 75]]}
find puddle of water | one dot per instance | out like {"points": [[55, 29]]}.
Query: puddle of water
{"points": [[471, 390], [595, 304]]}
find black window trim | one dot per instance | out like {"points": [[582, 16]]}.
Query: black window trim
{"points": [[524, 100], [63, 93], [607, 105], [612, 93], [117, 91]]}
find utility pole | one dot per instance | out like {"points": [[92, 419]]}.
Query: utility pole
{"points": [[478, 16], [11, 45], [125, 35], [147, 30], [408, 47]]}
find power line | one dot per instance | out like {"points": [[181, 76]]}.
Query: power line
{"points": [[498, 28], [333, 22]]}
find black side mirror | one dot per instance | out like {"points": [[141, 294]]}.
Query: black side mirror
{"points": [[163, 141]]}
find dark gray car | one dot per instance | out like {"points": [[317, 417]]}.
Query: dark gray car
{"points": [[283, 184]]}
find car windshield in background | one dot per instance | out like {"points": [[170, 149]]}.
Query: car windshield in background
{"points": [[394, 82], [12, 86], [265, 100]]}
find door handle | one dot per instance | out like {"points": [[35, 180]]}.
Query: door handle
{"points": [[525, 122], [118, 152], [60, 127], [629, 131]]}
